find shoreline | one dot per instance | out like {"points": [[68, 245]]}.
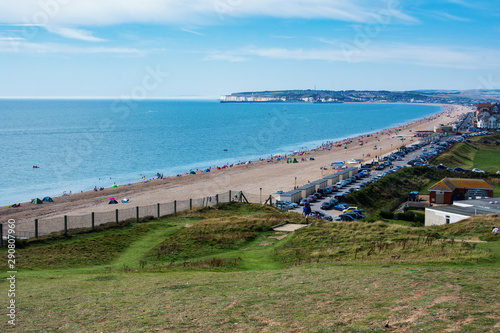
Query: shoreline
{"points": [[265, 173]]}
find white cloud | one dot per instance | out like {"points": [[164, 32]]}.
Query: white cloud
{"points": [[193, 32], [224, 57], [19, 46], [98, 12], [74, 33], [421, 55]]}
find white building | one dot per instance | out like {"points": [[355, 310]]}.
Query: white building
{"points": [[460, 210]]}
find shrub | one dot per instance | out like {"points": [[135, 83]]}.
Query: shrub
{"points": [[386, 215]]}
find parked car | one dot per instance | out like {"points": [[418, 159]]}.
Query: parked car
{"points": [[478, 170], [350, 209], [326, 205], [312, 198], [340, 197], [303, 201], [341, 207], [356, 215], [290, 204], [318, 195], [333, 202], [344, 217]]}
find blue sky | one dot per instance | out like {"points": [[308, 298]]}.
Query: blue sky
{"points": [[205, 48]]}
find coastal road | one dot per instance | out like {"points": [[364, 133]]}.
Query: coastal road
{"points": [[333, 212]]}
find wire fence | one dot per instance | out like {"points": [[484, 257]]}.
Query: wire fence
{"points": [[72, 223]]}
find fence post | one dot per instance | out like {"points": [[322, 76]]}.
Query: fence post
{"points": [[65, 224], [137, 214], [230, 196], [158, 209], [36, 228], [190, 204], [92, 218], [1, 234], [217, 200], [240, 199], [116, 215], [175, 207]]}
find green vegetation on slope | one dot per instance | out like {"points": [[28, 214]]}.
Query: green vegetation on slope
{"points": [[431, 284], [379, 241], [473, 154]]}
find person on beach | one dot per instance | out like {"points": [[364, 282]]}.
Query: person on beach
{"points": [[306, 210]]}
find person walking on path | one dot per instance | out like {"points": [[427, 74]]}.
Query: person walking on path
{"points": [[306, 210]]}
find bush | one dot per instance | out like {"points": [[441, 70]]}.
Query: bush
{"points": [[387, 215]]}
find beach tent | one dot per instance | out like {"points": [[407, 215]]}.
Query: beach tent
{"points": [[311, 158], [47, 199], [125, 200], [114, 186], [113, 201], [207, 170], [292, 160], [36, 201], [192, 172]]}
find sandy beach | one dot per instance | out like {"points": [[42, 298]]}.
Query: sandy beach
{"points": [[270, 175]]}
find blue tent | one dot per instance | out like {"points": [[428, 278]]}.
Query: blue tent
{"points": [[207, 170], [192, 172], [47, 199]]}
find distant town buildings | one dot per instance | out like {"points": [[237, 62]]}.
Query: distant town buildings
{"points": [[487, 116]]}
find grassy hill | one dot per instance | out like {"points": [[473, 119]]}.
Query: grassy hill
{"points": [[225, 269]]}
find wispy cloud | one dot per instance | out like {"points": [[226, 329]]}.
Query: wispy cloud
{"points": [[193, 32], [224, 57], [98, 12], [444, 16], [73, 33], [20, 46], [391, 53]]}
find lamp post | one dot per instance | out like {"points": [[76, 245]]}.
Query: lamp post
{"points": [[391, 147], [380, 153], [295, 183], [261, 195]]}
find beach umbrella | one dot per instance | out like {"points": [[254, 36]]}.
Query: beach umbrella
{"points": [[111, 198]]}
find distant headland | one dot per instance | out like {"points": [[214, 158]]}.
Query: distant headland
{"points": [[463, 97]]}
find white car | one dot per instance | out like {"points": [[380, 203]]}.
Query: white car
{"points": [[478, 170]]}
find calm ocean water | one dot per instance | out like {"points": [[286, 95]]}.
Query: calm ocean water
{"points": [[79, 144]]}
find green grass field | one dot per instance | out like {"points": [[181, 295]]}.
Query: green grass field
{"points": [[220, 270]]}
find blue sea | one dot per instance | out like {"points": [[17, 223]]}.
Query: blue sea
{"points": [[79, 144]]}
